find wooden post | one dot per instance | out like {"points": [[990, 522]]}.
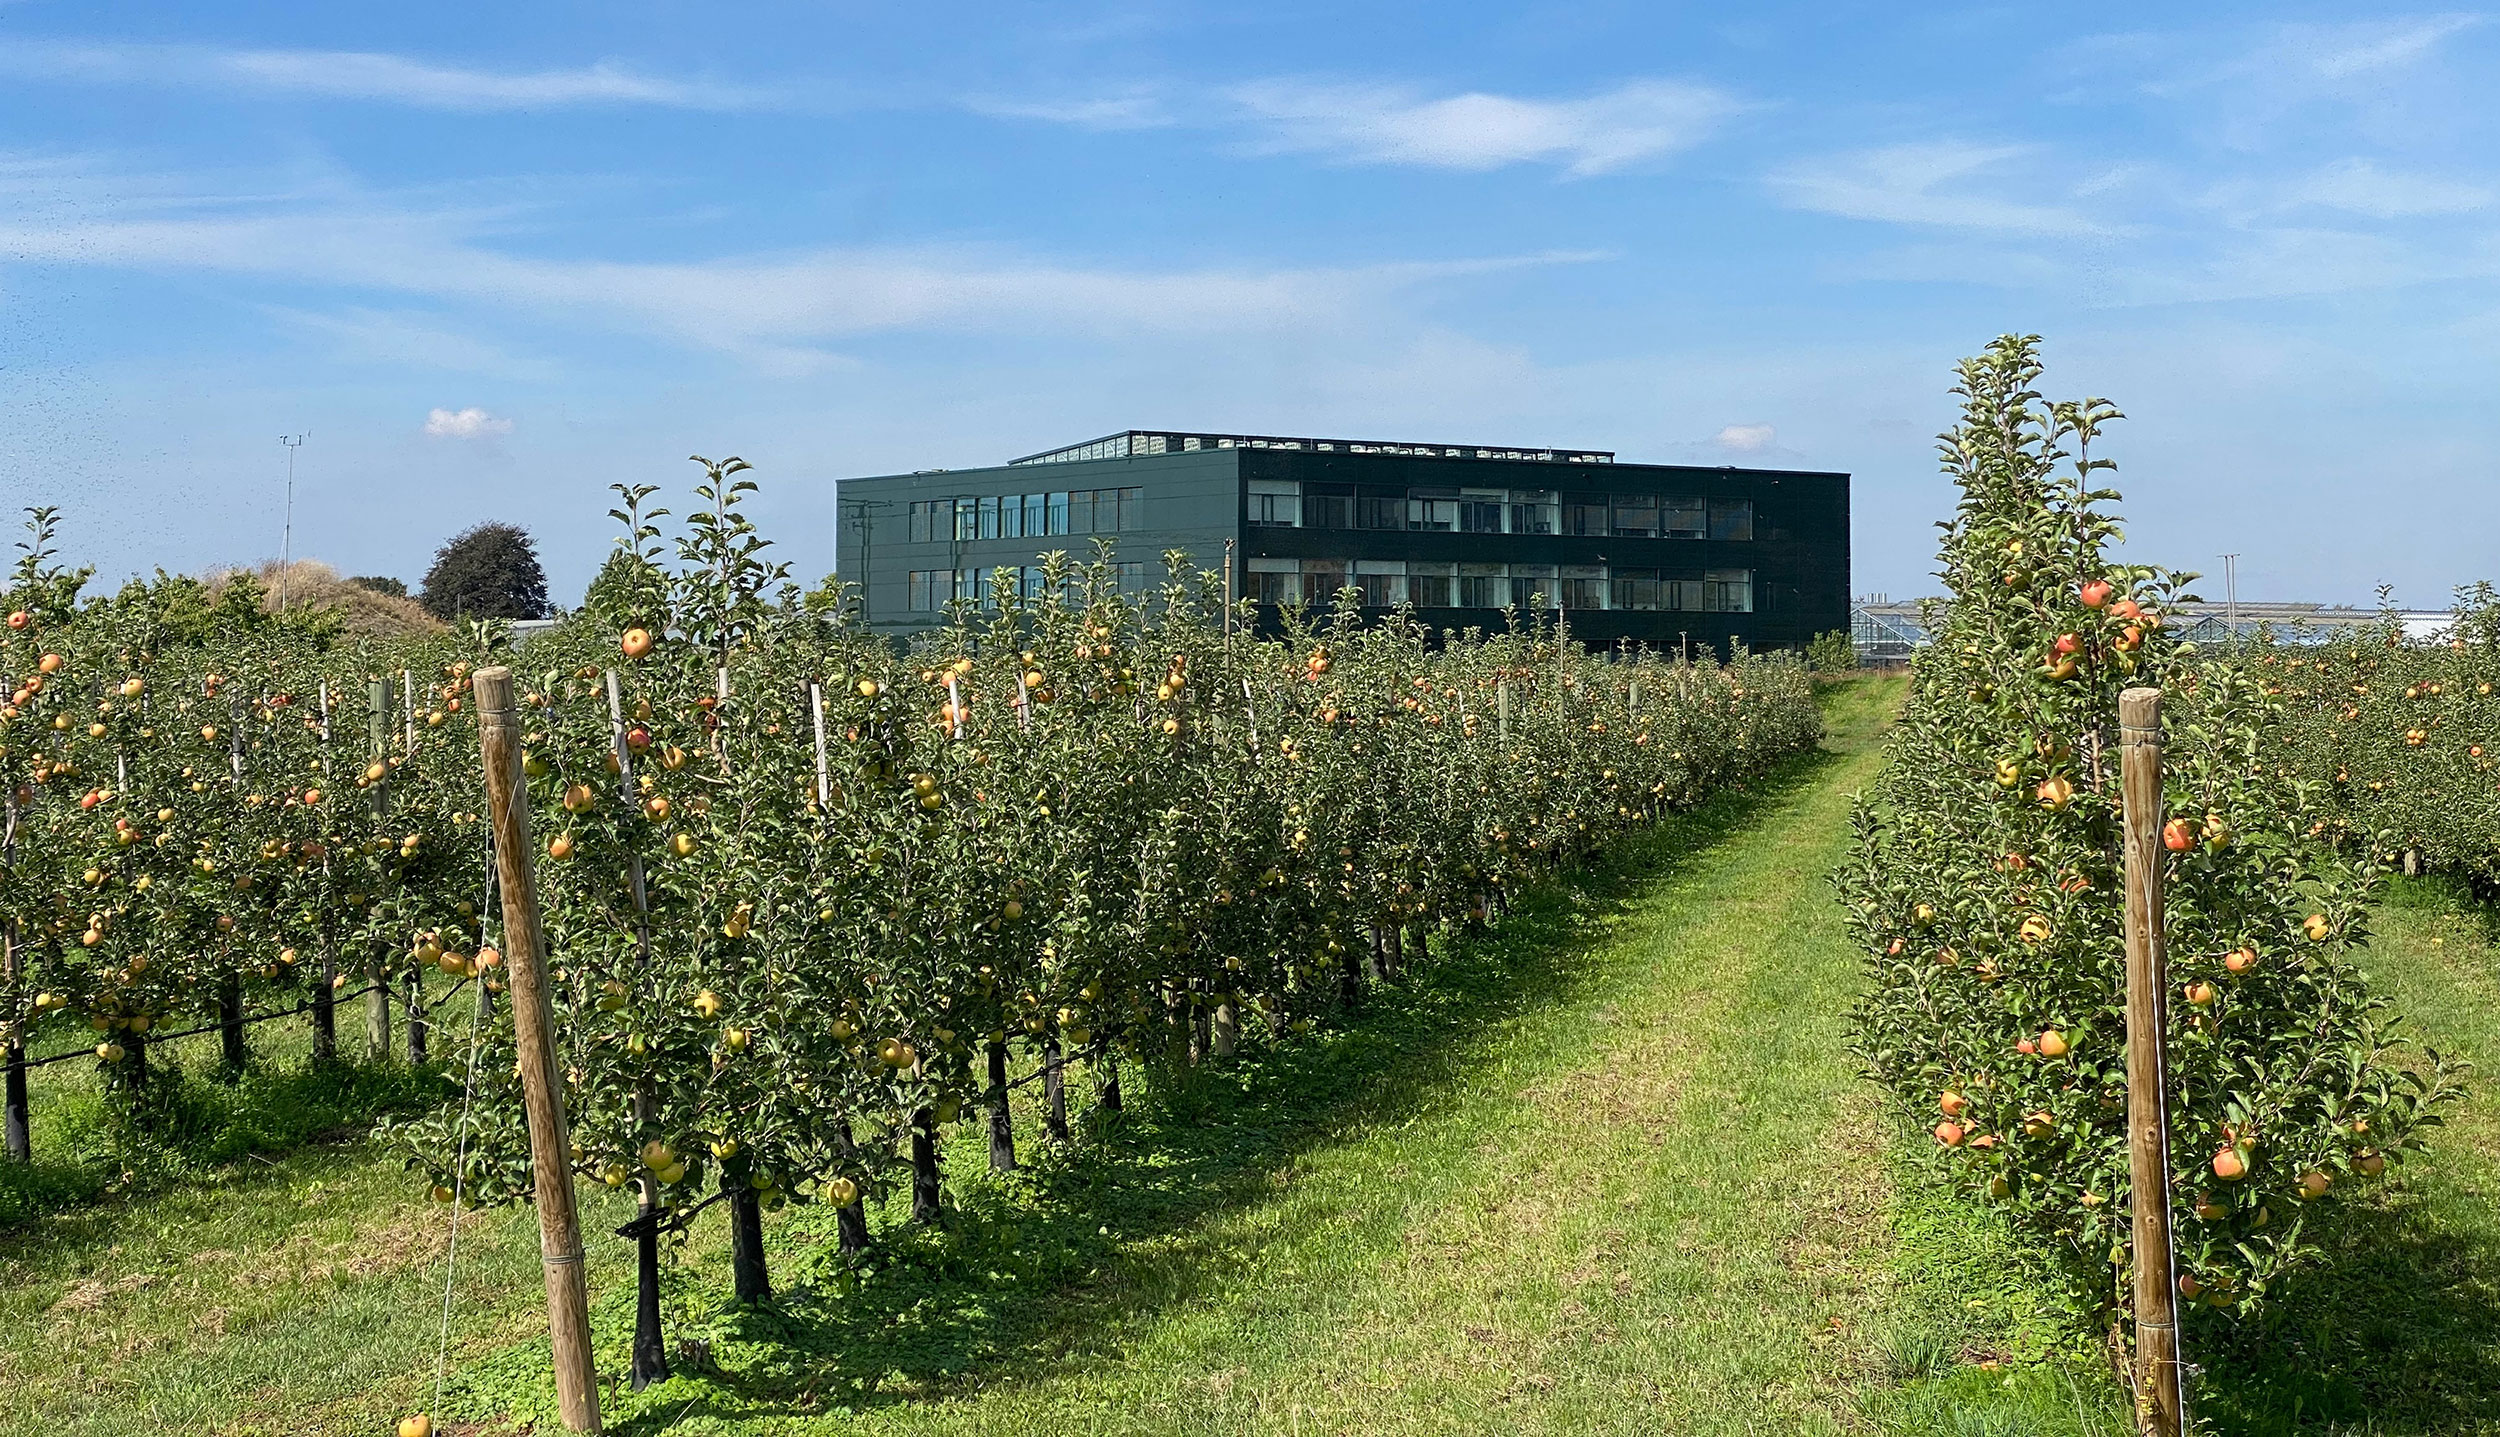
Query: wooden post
{"points": [[378, 970], [2157, 1391], [533, 1026]]}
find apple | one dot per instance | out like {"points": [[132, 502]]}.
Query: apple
{"points": [[2095, 593], [1949, 1134], [2178, 835], [2230, 1165], [417, 1426], [636, 642], [2053, 1044]]}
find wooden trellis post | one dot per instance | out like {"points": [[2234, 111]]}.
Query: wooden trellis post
{"points": [[533, 1028], [2159, 1411]]}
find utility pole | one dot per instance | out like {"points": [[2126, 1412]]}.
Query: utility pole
{"points": [[286, 533], [2231, 598]]}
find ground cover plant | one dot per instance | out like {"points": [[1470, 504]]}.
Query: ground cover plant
{"points": [[1986, 890]]}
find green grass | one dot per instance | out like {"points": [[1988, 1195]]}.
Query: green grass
{"points": [[1611, 1170]]}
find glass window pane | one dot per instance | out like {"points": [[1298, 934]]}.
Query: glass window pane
{"points": [[1482, 586], [1534, 511], [1731, 519], [1729, 591], [1321, 579], [1058, 520], [1636, 516], [1584, 515], [1681, 518], [1327, 511]]}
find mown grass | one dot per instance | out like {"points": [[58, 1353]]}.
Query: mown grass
{"points": [[1611, 1170]]}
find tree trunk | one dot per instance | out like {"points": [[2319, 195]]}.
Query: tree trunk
{"points": [[377, 1014], [852, 1216], [1109, 1093], [1001, 1123], [1227, 1027], [650, 1359], [21, 1143], [1054, 1089], [924, 1166], [230, 1023], [416, 1016], [746, 1243], [1201, 1035], [325, 1018], [1350, 978]]}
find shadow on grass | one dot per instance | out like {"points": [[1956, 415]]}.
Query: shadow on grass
{"points": [[2398, 1332], [1057, 1260]]}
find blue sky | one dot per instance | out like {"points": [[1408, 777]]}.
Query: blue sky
{"points": [[494, 258]]}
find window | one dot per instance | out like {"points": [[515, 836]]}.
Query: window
{"points": [[1430, 510], [967, 520], [1057, 521], [918, 530], [1636, 589], [1380, 511], [1131, 575], [1275, 581], [928, 590], [1681, 518], [1275, 503], [1036, 516], [1428, 586], [1529, 580], [1636, 516], [1584, 515], [1132, 510], [1727, 591], [1328, 509], [1321, 579], [1731, 519], [1479, 515], [986, 526], [1584, 586], [1482, 586], [1534, 511], [1383, 581]]}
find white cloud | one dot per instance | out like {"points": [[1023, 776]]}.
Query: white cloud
{"points": [[470, 423], [1745, 438], [769, 305], [356, 75], [1381, 125], [2361, 188], [1946, 184], [1135, 111]]}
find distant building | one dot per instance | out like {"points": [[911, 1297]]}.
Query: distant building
{"points": [[1648, 553]]}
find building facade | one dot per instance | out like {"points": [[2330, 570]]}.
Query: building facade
{"points": [[1645, 553]]}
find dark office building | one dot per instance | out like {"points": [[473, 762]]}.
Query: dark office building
{"points": [[1645, 552]]}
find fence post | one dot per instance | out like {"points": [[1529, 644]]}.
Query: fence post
{"points": [[2157, 1395], [378, 966], [559, 1224]]}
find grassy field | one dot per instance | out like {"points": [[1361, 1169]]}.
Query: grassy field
{"points": [[1611, 1171]]}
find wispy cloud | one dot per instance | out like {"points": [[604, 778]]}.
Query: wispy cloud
{"points": [[2362, 188], [333, 237], [1746, 438], [357, 75], [1135, 110], [1388, 125], [469, 423], [1946, 185]]}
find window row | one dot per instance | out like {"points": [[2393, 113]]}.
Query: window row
{"points": [[930, 590], [1387, 582], [1027, 516], [1291, 504]]}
